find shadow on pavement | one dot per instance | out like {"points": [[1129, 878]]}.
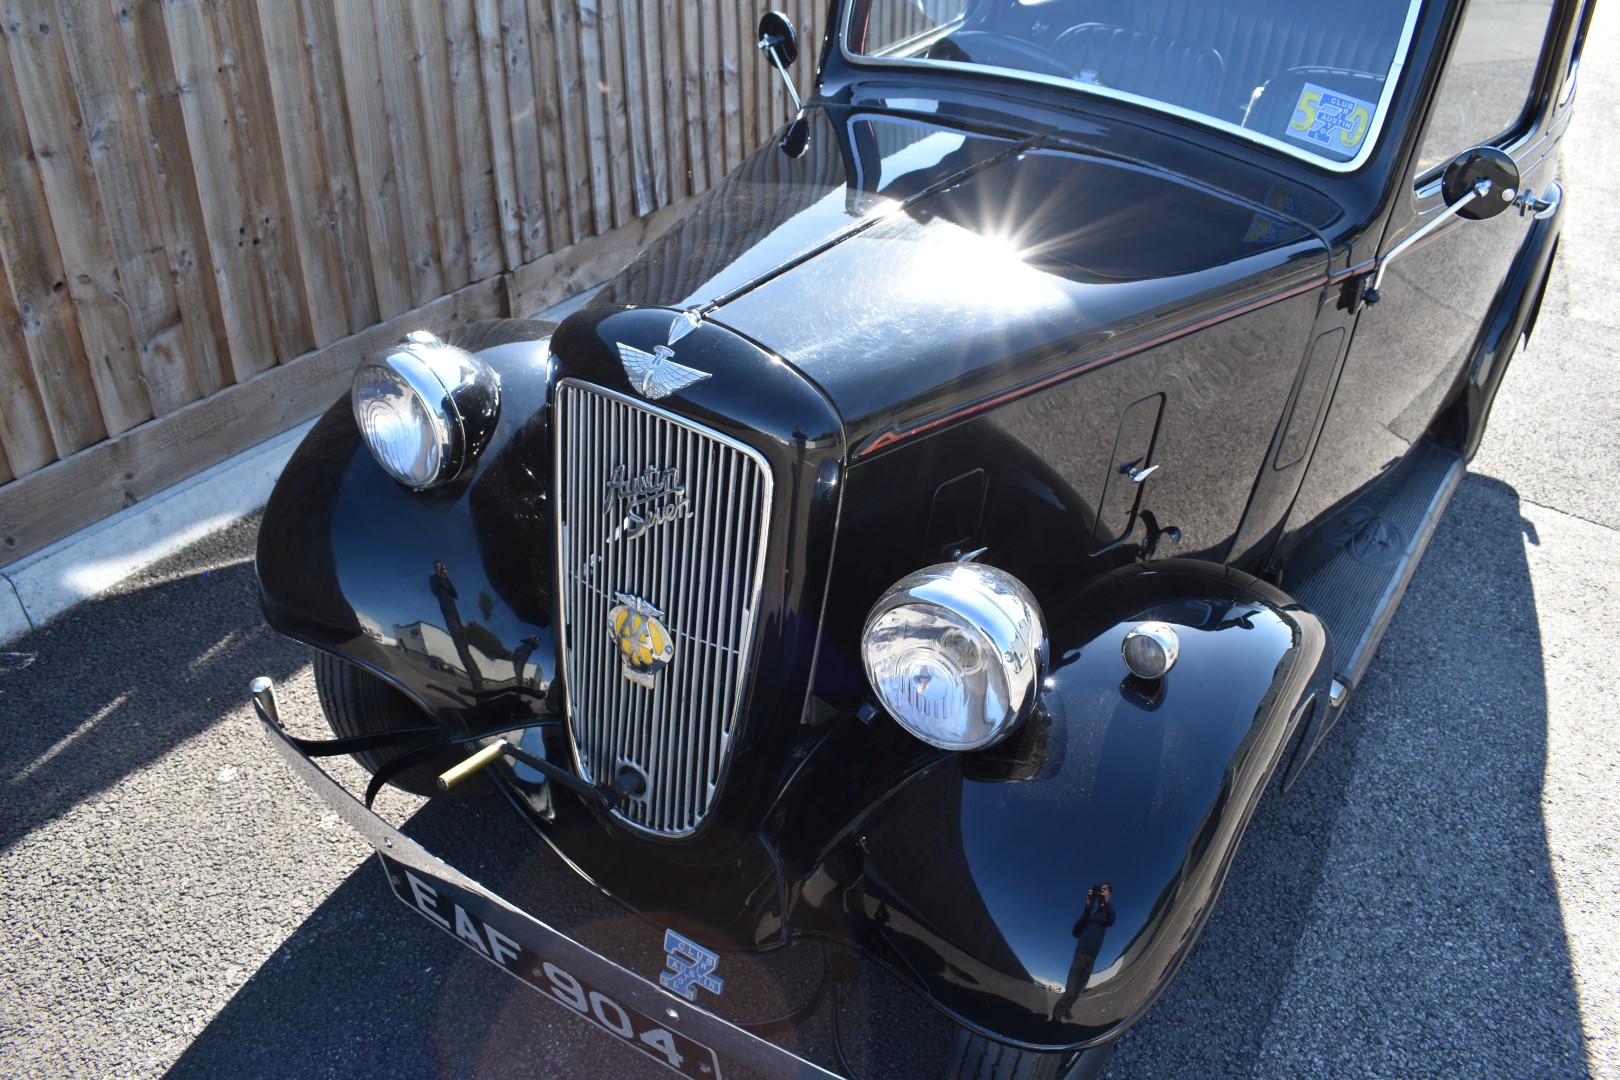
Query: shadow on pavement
{"points": [[125, 679], [366, 987], [1396, 913]]}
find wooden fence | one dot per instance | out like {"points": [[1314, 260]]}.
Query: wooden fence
{"points": [[210, 208]]}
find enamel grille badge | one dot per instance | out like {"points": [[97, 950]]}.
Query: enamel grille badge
{"points": [[691, 967], [656, 374], [645, 644]]}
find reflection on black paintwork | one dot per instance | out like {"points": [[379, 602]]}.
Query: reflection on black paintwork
{"points": [[526, 675], [1034, 752], [1089, 929], [444, 591]]}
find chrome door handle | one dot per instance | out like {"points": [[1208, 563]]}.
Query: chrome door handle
{"points": [[1544, 207]]}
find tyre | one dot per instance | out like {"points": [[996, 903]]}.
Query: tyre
{"points": [[975, 1057], [357, 702]]}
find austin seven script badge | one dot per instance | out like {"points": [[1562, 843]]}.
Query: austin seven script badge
{"points": [[656, 374], [645, 644]]}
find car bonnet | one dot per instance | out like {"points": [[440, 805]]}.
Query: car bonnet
{"points": [[902, 263]]}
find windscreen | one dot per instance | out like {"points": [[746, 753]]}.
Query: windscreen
{"points": [[1311, 80]]}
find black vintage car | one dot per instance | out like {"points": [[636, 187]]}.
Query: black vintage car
{"points": [[918, 562]]}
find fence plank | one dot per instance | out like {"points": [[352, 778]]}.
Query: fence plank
{"points": [[340, 196], [809, 50], [480, 200], [815, 17], [571, 107], [198, 66], [392, 26], [714, 105], [167, 157], [637, 106], [692, 139], [809, 18], [780, 105], [50, 327], [492, 62], [548, 109], [161, 343], [378, 183], [520, 105], [596, 126], [805, 21], [731, 84], [660, 32], [25, 435], [438, 141], [61, 149], [750, 89], [258, 161], [303, 157], [616, 111]]}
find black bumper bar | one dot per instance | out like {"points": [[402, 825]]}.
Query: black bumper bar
{"points": [[555, 965]]}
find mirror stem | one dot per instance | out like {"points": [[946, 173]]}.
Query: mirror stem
{"points": [[767, 44], [1482, 187]]}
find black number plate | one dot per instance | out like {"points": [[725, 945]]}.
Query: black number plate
{"points": [[499, 937]]}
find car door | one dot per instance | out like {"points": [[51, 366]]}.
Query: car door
{"points": [[1422, 358], [1507, 83]]}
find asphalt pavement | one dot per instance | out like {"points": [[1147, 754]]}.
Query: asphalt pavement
{"points": [[1440, 895]]}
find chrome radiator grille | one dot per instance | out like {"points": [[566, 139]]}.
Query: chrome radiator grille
{"points": [[661, 544]]}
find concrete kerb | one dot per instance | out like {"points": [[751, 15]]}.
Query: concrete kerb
{"points": [[47, 583], [40, 587]]}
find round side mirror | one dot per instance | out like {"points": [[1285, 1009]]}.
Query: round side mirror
{"points": [[776, 34], [1484, 164], [796, 139]]}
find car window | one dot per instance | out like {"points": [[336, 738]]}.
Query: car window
{"points": [[1489, 77], [1311, 80]]}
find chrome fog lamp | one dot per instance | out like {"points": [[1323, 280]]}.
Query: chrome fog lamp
{"points": [[425, 409], [956, 654], [1151, 650]]}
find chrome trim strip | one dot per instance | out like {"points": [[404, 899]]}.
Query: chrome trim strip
{"points": [[705, 570], [1567, 91], [1528, 152], [1402, 47], [624, 985]]}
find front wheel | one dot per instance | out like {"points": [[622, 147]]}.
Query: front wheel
{"points": [[356, 702], [975, 1057]]}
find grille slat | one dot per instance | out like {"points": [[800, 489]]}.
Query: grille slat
{"points": [[702, 571]]}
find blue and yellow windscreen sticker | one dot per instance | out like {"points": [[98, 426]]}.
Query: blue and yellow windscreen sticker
{"points": [[1328, 119]]}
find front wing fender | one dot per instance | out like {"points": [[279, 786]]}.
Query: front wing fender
{"points": [[974, 871]]}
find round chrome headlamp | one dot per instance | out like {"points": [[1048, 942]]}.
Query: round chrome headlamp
{"points": [[425, 409], [956, 654]]}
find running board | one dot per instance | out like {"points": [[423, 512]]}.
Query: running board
{"points": [[1376, 545]]}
